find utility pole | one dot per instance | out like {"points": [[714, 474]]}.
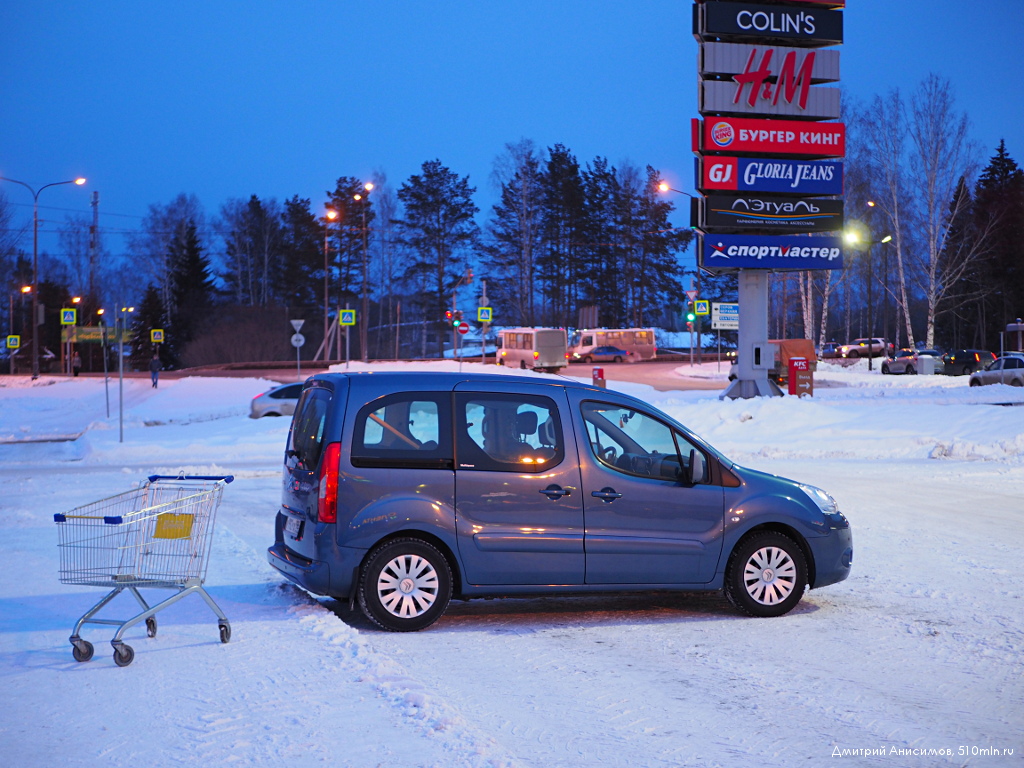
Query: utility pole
{"points": [[94, 245]]}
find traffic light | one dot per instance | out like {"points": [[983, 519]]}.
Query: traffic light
{"points": [[457, 321], [689, 325], [690, 314], [449, 317]]}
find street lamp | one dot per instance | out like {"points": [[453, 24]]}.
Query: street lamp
{"points": [[853, 237], [663, 187], [329, 216], [363, 326], [35, 261]]}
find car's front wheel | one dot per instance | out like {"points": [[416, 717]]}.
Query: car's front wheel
{"points": [[975, 383], [885, 369], [766, 575], [910, 370], [588, 359], [853, 354], [405, 585]]}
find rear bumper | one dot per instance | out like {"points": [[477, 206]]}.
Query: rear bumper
{"points": [[311, 575]]}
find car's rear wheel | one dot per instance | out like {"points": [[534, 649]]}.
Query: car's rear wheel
{"points": [[618, 359], [405, 585], [1017, 383], [766, 575], [968, 370]]}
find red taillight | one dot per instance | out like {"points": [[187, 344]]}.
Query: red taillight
{"points": [[327, 497], [536, 355], [977, 357]]}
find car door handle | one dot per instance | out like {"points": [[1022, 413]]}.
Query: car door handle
{"points": [[555, 492], [606, 495]]}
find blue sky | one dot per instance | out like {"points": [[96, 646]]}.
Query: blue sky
{"points": [[228, 99]]}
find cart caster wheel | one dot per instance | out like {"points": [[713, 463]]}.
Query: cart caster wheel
{"points": [[82, 650], [225, 632], [124, 655], [151, 627]]}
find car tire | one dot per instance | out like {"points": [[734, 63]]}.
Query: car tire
{"points": [[1016, 383], [522, 365], [910, 370], [766, 575], [853, 354], [975, 383], [885, 369], [405, 585], [968, 370], [588, 359], [618, 359]]}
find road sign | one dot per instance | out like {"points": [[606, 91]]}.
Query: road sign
{"points": [[14, 342], [297, 324], [691, 295], [483, 314], [725, 317], [464, 329], [298, 340], [68, 316], [347, 317], [156, 335], [700, 307]]}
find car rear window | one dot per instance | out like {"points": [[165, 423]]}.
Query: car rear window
{"points": [[307, 435]]}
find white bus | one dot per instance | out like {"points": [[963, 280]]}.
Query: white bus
{"points": [[639, 342], [540, 349]]}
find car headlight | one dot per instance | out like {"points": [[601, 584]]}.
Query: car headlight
{"points": [[829, 506]]}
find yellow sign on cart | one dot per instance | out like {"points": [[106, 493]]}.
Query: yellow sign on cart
{"points": [[171, 525]]}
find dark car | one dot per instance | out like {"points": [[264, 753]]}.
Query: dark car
{"points": [[603, 355], [829, 351], [963, 362], [403, 490]]}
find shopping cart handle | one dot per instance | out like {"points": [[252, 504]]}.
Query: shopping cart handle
{"points": [[225, 478]]}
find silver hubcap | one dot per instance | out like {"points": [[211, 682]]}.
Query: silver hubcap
{"points": [[407, 586], [770, 575]]}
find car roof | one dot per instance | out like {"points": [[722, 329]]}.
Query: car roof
{"points": [[407, 379]]}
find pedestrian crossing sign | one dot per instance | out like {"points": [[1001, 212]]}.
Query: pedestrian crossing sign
{"points": [[347, 317], [701, 307], [483, 314], [68, 316], [14, 342], [156, 335]]}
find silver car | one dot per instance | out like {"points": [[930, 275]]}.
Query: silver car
{"points": [[279, 401], [1003, 370]]}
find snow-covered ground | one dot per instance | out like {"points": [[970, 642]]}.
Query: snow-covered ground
{"points": [[916, 660]]}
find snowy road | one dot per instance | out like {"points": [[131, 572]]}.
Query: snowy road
{"points": [[920, 651]]}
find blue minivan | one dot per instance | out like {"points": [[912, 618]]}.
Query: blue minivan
{"points": [[403, 490]]}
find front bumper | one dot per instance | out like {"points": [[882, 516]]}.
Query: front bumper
{"points": [[833, 557]]}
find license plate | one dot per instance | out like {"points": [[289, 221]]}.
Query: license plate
{"points": [[293, 526]]}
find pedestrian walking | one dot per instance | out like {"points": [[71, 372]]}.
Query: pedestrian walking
{"points": [[154, 369], [76, 363]]}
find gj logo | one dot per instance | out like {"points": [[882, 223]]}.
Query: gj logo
{"points": [[720, 173], [722, 134]]}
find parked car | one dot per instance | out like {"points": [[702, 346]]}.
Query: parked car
{"points": [[279, 401], [1004, 370], [863, 348], [907, 360], [603, 355], [403, 490], [965, 361], [829, 351]]}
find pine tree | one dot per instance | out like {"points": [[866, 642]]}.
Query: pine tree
{"points": [[193, 292], [300, 273], [439, 229], [563, 223], [147, 316], [999, 210]]}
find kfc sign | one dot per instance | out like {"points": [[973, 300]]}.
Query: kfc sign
{"points": [[777, 137], [767, 213], [810, 26], [779, 252], [756, 174]]}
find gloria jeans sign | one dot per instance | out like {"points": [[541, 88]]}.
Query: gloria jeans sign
{"points": [[807, 26], [758, 174], [788, 215], [780, 252]]}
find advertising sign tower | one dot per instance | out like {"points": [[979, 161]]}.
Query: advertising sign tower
{"points": [[769, 161]]}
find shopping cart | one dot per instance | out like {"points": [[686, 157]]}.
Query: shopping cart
{"points": [[157, 535]]}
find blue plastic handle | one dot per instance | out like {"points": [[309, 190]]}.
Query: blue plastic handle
{"points": [[225, 478]]}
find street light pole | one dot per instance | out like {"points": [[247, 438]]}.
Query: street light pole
{"points": [[35, 261], [365, 320], [664, 187], [329, 216]]}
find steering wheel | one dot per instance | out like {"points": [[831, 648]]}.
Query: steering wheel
{"points": [[607, 454]]}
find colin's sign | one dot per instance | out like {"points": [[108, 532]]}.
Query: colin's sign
{"points": [[807, 26]]}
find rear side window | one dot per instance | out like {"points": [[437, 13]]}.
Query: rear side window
{"points": [[508, 433], [307, 436], [411, 429]]}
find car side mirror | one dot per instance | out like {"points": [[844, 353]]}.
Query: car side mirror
{"points": [[698, 467]]}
